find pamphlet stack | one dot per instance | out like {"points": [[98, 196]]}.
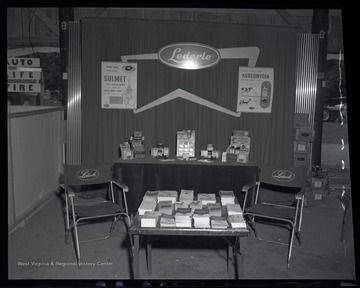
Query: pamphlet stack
{"points": [[201, 218], [214, 209], [227, 197], [183, 217], [206, 198], [166, 195], [180, 204], [195, 205], [149, 219], [148, 203], [233, 209], [219, 222], [186, 196], [166, 207], [237, 221], [167, 221]]}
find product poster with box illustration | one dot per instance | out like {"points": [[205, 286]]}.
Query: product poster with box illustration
{"points": [[118, 85], [256, 86]]}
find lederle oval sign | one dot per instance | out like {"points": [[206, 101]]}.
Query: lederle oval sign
{"points": [[189, 56]]}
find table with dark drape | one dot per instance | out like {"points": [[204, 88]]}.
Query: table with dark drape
{"points": [[151, 174]]}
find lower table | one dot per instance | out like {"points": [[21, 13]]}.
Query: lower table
{"points": [[136, 231]]}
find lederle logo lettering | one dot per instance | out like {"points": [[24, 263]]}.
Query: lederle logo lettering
{"points": [[189, 55], [283, 175], [87, 174]]}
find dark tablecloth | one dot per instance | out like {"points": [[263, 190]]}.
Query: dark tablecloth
{"points": [[148, 173]]}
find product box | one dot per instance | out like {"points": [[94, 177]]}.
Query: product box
{"points": [[210, 154], [320, 181], [239, 147], [231, 156], [185, 143], [301, 159], [243, 157], [317, 183], [301, 147], [242, 142], [126, 152], [319, 194], [243, 133], [160, 152], [306, 135], [302, 121], [137, 144]]}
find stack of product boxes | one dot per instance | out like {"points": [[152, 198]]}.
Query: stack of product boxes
{"points": [[317, 180], [239, 148], [319, 184], [304, 136], [185, 144], [137, 144]]}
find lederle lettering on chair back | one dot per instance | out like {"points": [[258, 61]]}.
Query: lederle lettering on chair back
{"points": [[87, 174], [283, 176]]}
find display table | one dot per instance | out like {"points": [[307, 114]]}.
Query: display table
{"points": [[231, 235], [149, 173]]}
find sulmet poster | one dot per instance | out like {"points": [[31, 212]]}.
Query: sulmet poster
{"points": [[118, 85], [256, 86]]}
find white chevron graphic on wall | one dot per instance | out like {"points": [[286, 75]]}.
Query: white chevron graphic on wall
{"points": [[179, 93], [251, 53]]}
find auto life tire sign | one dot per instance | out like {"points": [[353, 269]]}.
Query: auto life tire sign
{"points": [[23, 75], [256, 86]]}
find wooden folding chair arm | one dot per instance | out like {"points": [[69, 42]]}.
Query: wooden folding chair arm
{"points": [[123, 186], [70, 192]]}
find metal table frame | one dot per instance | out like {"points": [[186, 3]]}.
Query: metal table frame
{"points": [[234, 247]]}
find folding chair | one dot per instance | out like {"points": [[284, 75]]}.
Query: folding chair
{"points": [[80, 182], [276, 199]]}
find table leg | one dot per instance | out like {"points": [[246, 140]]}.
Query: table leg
{"points": [[148, 254], [135, 260], [228, 253], [239, 261]]}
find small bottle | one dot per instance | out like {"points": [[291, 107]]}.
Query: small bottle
{"points": [[160, 150], [265, 94], [210, 148]]}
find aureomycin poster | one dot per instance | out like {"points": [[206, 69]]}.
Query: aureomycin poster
{"points": [[118, 85], [256, 86]]}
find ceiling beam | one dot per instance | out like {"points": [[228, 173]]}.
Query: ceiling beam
{"points": [[290, 20], [99, 11], [18, 52], [36, 41], [47, 21]]}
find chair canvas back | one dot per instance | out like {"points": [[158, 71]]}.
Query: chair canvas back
{"points": [[87, 174], [283, 176]]}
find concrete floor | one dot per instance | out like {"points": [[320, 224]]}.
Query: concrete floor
{"points": [[38, 250]]}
